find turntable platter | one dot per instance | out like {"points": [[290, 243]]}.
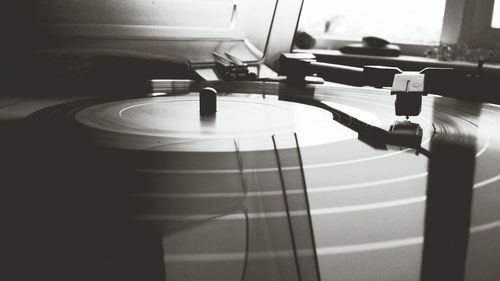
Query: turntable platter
{"points": [[153, 123]]}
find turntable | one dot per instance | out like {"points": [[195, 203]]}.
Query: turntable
{"points": [[231, 172]]}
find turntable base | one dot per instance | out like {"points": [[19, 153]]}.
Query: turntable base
{"points": [[202, 182]]}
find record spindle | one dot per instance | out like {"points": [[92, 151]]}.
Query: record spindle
{"points": [[208, 101]]}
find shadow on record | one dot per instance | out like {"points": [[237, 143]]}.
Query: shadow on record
{"points": [[449, 195], [269, 236]]}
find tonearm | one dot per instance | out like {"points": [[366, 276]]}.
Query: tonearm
{"points": [[407, 86]]}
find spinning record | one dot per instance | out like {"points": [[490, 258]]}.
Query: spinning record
{"points": [[266, 186], [156, 123]]}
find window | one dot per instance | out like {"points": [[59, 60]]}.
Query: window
{"points": [[413, 24], [495, 23]]}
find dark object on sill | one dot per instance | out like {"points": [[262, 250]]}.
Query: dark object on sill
{"points": [[373, 46], [375, 42], [304, 40]]}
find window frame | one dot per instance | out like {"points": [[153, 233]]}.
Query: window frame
{"points": [[474, 28], [482, 31]]}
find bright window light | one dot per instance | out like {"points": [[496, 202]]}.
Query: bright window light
{"points": [[399, 21], [495, 23]]}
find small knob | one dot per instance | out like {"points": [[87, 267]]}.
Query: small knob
{"points": [[208, 101]]}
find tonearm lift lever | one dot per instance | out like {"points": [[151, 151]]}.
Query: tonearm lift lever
{"points": [[230, 68]]}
